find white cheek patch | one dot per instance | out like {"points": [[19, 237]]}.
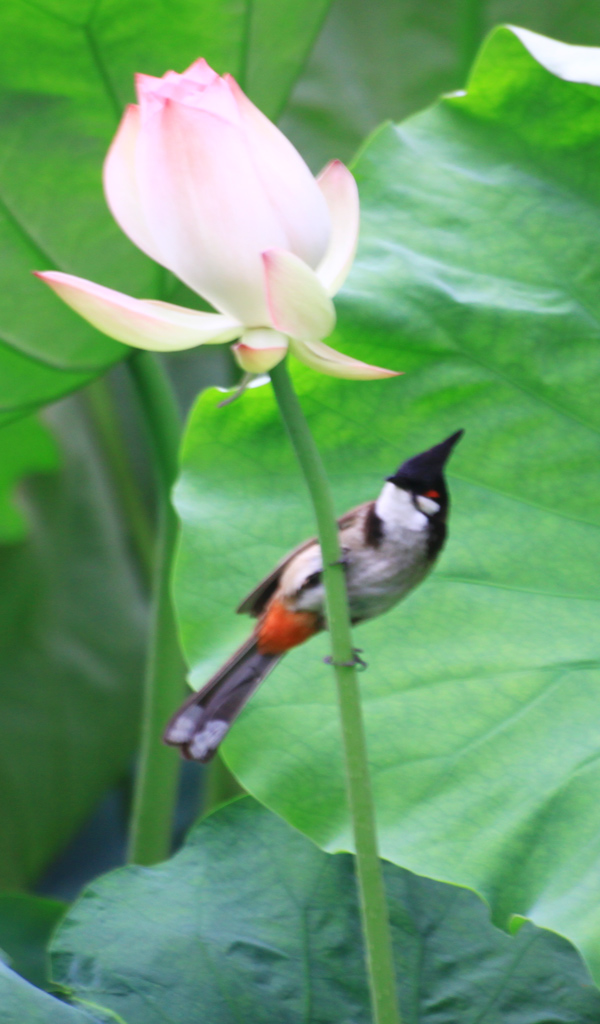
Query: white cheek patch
{"points": [[395, 508], [427, 505]]}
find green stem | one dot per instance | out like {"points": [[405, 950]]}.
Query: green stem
{"points": [[158, 773], [380, 964], [106, 422]]}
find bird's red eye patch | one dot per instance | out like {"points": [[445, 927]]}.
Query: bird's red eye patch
{"points": [[431, 494]]}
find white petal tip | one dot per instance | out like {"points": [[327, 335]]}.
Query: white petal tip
{"points": [[327, 360]]}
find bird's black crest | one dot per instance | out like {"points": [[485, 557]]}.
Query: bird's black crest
{"points": [[427, 469]]}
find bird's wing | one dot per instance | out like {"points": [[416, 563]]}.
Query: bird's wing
{"points": [[254, 602]]}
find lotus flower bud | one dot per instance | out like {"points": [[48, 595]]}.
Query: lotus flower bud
{"points": [[207, 186]]}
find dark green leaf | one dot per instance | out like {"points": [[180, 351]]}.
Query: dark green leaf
{"points": [[251, 922], [279, 38], [72, 622], [26, 923], [479, 274], [66, 76]]}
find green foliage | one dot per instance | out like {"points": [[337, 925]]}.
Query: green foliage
{"points": [[386, 59], [251, 922], [277, 40], [26, 448], [26, 923], [478, 274], [66, 76], [71, 651]]}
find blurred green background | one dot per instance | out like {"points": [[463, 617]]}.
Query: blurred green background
{"points": [[76, 531]]}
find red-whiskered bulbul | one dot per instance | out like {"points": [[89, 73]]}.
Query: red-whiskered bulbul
{"points": [[388, 546]]}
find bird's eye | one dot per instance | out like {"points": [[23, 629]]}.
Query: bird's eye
{"points": [[431, 494]]}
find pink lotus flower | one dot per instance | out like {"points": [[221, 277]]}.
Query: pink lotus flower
{"points": [[203, 183]]}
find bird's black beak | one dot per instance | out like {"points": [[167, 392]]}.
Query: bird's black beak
{"points": [[429, 465]]}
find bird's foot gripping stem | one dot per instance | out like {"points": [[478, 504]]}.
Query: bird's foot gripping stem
{"points": [[357, 662], [342, 560]]}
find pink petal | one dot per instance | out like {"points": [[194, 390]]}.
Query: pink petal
{"points": [[328, 360], [290, 186], [207, 209], [120, 184], [146, 84], [260, 349], [200, 71], [341, 195], [143, 323], [298, 303], [214, 96]]}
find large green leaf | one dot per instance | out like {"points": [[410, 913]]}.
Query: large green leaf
{"points": [[251, 922], [66, 74], [72, 621], [479, 274]]}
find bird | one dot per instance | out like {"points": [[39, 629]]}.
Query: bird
{"points": [[388, 546]]}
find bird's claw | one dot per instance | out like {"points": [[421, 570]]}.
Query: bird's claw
{"points": [[342, 560], [357, 662], [360, 663]]}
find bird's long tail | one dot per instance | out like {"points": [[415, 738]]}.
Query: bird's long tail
{"points": [[202, 722]]}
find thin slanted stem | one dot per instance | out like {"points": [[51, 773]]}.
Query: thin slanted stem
{"points": [[375, 919], [158, 772]]}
